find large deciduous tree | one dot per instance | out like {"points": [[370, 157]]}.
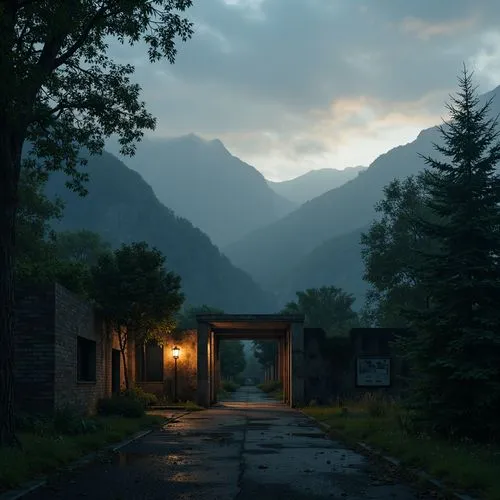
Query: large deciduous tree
{"points": [[136, 293], [455, 351], [61, 91]]}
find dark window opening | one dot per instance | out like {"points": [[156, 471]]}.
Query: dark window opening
{"points": [[149, 362], [86, 359]]}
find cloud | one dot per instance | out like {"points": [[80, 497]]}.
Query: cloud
{"points": [[292, 83]]}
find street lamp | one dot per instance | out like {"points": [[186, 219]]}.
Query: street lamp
{"points": [[175, 353]]}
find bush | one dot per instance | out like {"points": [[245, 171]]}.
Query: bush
{"points": [[64, 421], [270, 386], [229, 386], [146, 398], [124, 406]]}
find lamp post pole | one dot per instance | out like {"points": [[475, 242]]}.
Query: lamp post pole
{"points": [[175, 353], [175, 380]]}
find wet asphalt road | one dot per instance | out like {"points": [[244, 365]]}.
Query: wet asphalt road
{"points": [[255, 449]]}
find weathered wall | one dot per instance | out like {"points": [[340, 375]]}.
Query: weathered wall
{"points": [[327, 364], [49, 320], [377, 342], [34, 359], [331, 363], [76, 318], [186, 368]]}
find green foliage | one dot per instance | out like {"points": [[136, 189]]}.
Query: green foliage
{"points": [[44, 255], [123, 406], [77, 94], [270, 386], [80, 247], [229, 386], [135, 290], [265, 351], [455, 349], [328, 307], [146, 398], [389, 250], [232, 358], [186, 319], [64, 421]]}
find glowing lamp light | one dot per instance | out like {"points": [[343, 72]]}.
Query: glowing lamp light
{"points": [[176, 352]]}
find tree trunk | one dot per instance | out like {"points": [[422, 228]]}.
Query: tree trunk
{"points": [[10, 159], [122, 338]]}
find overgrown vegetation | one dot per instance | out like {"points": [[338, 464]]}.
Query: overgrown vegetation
{"points": [[51, 442], [270, 386], [381, 423], [229, 386]]}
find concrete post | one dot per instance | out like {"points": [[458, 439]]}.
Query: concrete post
{"points": [[203, 388], [298, 365]]}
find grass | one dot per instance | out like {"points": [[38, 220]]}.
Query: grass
{"points": [[466, 466], [187, 405], [43, 454]]}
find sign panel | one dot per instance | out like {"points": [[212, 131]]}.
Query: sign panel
{"points": [[373, 372]]}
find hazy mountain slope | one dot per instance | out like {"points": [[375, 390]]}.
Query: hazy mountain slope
{"points": [[314, 183], [201, 181], [270, 253], [335, 262], [122, 208]]}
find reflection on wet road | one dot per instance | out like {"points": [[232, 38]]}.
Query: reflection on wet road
{"points": [[252, 449]]}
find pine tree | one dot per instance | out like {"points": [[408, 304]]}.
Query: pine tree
{"points": [[455, 351]]}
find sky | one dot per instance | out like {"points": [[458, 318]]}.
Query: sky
{"points": [[294, 85]]}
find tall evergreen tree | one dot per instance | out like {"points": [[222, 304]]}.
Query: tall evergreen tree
{"points": [[456, 347]]}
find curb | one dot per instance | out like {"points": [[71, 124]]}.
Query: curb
{"points": [[30, 486], [419, 474]]}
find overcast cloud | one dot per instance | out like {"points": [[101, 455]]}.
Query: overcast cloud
{"points": [[290, 85]]}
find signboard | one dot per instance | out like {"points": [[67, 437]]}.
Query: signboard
{"points": [[373, 372]]}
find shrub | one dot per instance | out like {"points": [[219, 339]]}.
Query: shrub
{"points": [[229, 386], [68, 421], [63, 421], [146, 398], [124, 406], [270, 386]]}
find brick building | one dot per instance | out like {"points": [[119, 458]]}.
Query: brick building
{"points": [[65, 357]]}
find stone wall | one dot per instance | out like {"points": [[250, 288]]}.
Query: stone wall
{"points": [[34, 357]]}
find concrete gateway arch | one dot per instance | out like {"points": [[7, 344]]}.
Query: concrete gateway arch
{"points": [[287, 329]]}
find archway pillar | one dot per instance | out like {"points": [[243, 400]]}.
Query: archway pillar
{"points": [[298, 365], [203, 370]]}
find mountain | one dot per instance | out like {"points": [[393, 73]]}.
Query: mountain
{"points": [[336, 261], [272, 252], [203, 182], [122, 208], [314, 183]]}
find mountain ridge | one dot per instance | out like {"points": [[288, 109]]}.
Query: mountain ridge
{"points": [[314, 183], [269, 253], [202, 181], [122, 208]]}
